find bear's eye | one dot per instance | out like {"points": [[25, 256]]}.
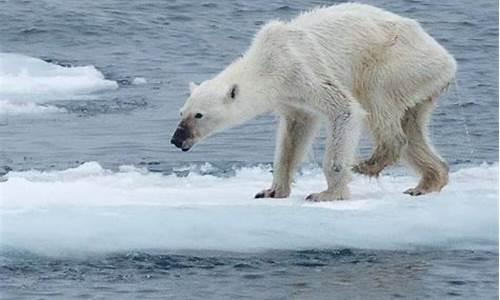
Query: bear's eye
{"points": [[198, 116]]}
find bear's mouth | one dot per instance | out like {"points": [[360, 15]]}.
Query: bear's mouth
{"points": [[185, 145]]}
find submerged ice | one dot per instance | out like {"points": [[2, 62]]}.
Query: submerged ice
{"points": [[89, 208]]}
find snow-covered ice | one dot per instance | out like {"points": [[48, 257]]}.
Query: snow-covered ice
{"points": [[26, 81], [89, 208]]}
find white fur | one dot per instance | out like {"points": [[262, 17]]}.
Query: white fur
{"points": [[335, 64]]}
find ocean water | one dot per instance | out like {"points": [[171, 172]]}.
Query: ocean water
{"points": [[96, 204]]}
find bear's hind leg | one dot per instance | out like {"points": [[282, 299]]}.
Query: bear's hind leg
{"points": [[295, 132], [389, 139], [419, 152]]}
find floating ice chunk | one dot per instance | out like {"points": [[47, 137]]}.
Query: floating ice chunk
{"points": [[90, 208], [28, 78], [139, 81]]}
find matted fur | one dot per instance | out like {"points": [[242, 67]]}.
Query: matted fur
{"points": [[341, 64]]}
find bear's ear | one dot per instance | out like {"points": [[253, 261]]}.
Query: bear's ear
{"points": [[233, 92], [192, 86]]}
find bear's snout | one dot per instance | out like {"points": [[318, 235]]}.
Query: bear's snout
{"points": [[181, 135]]}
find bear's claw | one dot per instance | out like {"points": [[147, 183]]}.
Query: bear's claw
{"points": [[273, 193], [327, 196], [269, 193], [311, 197], [414, 192]]}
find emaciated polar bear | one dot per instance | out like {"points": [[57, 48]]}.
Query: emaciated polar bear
{"points": [[342, 64]]}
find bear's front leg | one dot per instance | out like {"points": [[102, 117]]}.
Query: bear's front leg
{"points": [[295, 132], [342, 140]]}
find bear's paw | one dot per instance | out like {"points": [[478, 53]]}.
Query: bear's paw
{"points": [[272, 193], [328, 196]]}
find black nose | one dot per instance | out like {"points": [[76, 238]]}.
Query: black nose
{"points": [[180, 135]]}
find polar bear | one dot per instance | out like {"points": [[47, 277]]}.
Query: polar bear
{"points": [[342, 65]]}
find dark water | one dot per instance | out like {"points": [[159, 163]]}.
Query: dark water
{"points": [[173, 42], [311, 274]]}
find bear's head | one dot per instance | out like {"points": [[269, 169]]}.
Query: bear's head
{"points": [[212, 106]]}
